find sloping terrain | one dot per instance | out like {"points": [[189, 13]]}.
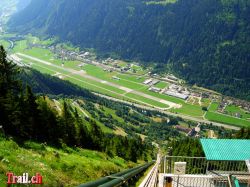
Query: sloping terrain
{"points": [[205, 42], [58, 167]]}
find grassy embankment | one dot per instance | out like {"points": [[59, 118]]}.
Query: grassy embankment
{"points": [[66, 166]]}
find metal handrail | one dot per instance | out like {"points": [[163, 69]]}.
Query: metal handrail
{"points": [[126, 177], [118, 178], [151, 179], [184, 157], [200, 165], [106, 179]]}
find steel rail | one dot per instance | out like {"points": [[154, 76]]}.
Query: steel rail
{"points": [[119, 181], [120, 177]]}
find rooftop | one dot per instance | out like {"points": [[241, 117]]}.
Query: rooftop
{"points": [[226, 149]]}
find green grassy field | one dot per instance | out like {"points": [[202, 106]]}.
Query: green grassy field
{"points": [[139, 70], [59, 167], [46, 55], [161, 85], [205, 102], [77, 79], [191, 110], [213, 107], [213, 115], [36, 40], [134, 82], [93, 85], [133, 78], [4, 43], [232, 110], [20, 46], [216, 117], [108, 76]]}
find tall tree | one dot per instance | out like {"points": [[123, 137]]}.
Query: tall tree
{"points": [[69, 125], [9, 94]]}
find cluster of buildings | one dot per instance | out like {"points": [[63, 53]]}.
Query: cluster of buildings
{"points": [[173, 90], [191, 132], [232, 101], [171, 78], [108, 64], [242, 104], [116, 65], [108, 69], [177, 91], [126, 68], [65, 54], [154, 89], [151, 82], [108, 61]]}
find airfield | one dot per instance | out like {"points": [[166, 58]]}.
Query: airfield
{"points": [[128, 86]]}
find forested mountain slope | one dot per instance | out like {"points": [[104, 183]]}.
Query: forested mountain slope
{"points": [[206, 42], [26, 116]]}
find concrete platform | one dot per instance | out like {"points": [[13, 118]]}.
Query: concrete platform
{"points": [[194, 180]]}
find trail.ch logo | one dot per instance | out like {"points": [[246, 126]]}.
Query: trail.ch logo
{"points": [[24, 179]]}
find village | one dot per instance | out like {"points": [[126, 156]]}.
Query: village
{"points": [[175, 87], [172, 87]]}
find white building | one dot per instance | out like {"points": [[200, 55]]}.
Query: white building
{"points": [[154, 89], [148, 81], [176, 94]]}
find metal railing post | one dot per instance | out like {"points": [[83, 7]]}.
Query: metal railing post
{"points": [[170, 165], [178, 180], [207, 167], [164, 165]]}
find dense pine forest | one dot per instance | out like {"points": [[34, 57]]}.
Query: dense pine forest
{"points": [[186, 147], [25, 116], [205, 42]]}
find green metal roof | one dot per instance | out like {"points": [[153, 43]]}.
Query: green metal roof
{"points": [[226, 149]]}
